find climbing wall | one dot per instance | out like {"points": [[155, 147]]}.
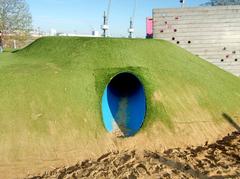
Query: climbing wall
{"points": [[212, 33]]}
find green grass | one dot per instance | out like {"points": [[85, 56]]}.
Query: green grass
{"points": [[53, 89]]}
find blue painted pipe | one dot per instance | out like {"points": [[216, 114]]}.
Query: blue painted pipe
{"points": [[124, 104]]}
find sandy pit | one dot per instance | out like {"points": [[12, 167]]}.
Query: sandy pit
{"points": [[216, 160]]}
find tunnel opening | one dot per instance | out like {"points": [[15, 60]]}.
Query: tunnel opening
{"points": [[124, 105]]}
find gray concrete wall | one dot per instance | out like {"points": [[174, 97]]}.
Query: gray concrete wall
{"points": [[212, 33]]}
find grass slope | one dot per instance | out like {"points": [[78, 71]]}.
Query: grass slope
{"points": [[50, 104]]}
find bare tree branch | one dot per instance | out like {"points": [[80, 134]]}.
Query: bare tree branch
{"points": [[14, 17]]}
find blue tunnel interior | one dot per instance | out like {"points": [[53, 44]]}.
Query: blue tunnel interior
{"points": [[124, 104]]}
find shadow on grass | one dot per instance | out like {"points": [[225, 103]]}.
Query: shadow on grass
{"points": [[231, 121]]}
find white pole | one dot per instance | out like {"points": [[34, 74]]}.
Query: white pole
{"points": [[14, 44], [1, 42]]}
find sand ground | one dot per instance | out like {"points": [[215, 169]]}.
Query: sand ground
{"points": [[216, 160]]}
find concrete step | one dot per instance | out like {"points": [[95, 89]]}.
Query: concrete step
{"points": [[190, 33], [178, 17], [198, 10], [203, 27]]}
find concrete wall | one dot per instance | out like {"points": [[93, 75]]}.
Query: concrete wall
{"points": [[212, 33]]}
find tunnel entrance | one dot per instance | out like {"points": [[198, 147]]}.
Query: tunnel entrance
{"points": [[124, 105]]}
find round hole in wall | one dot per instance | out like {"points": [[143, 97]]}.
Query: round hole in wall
{"points": [[124, 105], [173, 38], [175, 30], [236, 59], [222, 60], [178, 42], [189, 42]]}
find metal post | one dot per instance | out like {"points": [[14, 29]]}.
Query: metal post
{"points": [[105, 25], [182, 3], [131, 30]]}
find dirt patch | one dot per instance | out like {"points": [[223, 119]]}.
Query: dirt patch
{"points": [[217, 160]]}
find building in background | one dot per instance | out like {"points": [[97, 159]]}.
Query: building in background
{"points": [[93, 34], [53, 32], [21, 42], [213, 33]]}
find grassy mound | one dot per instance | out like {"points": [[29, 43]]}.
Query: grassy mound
{"points": [[50, 105]]}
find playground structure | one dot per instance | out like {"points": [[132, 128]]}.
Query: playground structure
{"points": [[51, 100], [213, 33], [149, 28], [92, 96]]}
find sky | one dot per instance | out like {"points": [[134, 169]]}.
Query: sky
{"points": [[83, 16]]}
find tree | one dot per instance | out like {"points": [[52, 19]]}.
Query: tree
{"points": [[222, 2], [15, 17]]}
